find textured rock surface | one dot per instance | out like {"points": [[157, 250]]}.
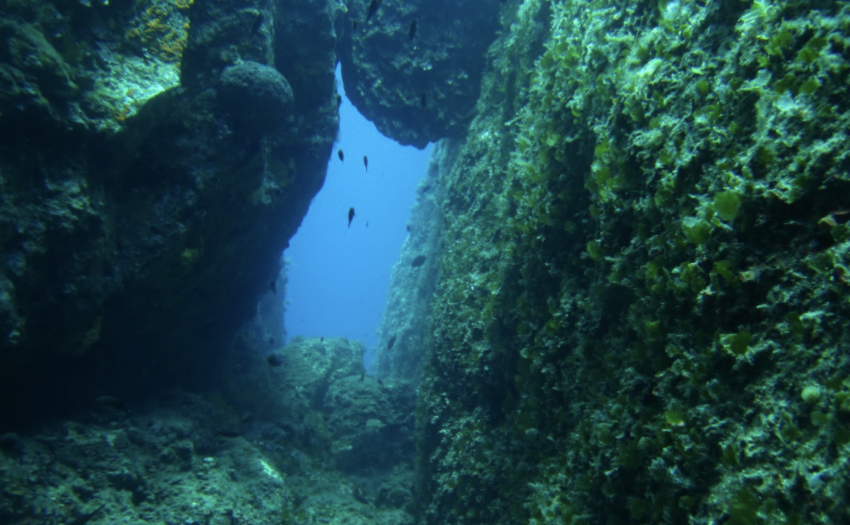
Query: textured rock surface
{"points": [[182, 462], [139, 224], [267, 330], [641, 314], [406, 319], [256, 96], [422, 88], [264, 458], [372, 424]]}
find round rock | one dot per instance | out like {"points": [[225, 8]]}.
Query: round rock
{"points": [[256, 96]]}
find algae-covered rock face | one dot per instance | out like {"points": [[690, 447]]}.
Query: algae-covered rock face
{"points": [[156, 157], [32, 69], [399, 355], [414, 67], [371, 423], [642, 308], [256, 96], [314, 365]]}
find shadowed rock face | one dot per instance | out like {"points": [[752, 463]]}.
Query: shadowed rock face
{"points": [[257, 97], [142, 215], [421, 85]]}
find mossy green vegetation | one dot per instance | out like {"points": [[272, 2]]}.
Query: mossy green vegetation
{"points": [[727, 204], [643, 187]]}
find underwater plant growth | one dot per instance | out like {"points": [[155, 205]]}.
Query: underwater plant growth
{"points": [[643, 291]]}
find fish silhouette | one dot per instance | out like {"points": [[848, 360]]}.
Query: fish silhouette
{"points": [[373, 8], [350, 216]]}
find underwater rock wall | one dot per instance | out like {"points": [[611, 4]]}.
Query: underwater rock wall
{"points": [[143, 214], [413, 67], [267, 329], [404, 325], [642, 304]]}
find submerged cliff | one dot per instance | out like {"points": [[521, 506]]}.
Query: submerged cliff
{"points": [[413, 67], [156, 158], [400, 354], [642, 299]]}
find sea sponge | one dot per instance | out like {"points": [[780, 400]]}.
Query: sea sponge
{"points": [[257, 97]]}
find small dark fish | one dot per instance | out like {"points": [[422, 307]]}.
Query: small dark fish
{"points": [[350, 216], [366, 162], [373, 8], [362, 375], [418, 261], [408, 228], [258, 23], [82, 519], [412, 32], [340, 155], [273, 287], [391, 343], [423, 101], [274, 360], [338, 100], [354, 25], [322, 340]]}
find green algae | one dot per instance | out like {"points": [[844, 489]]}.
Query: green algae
{"points": [[727, 204], [694, 145]]}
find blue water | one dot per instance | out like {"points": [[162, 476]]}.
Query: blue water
{"points": [[339, 276]]}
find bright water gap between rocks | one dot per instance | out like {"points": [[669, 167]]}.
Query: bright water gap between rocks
{"points": [[338, 276]]}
